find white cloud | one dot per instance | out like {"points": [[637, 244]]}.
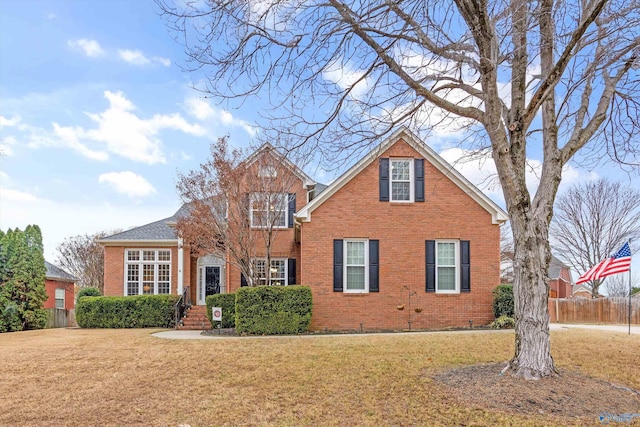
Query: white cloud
{"points": [[136, 57], [122, 132], [204, 112], [345, 76], [6, 145], [5, 122], [11, 195], [128, 183], [91, 48]]}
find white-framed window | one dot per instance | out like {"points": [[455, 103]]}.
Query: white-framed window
{"points": [[269, 210], [401, 180], [267, 171], [147, 271], [59, 295], [447, 266], [276, 274], [356, 260]]}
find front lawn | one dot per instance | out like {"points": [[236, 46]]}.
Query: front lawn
{"points": [[128, 377]]}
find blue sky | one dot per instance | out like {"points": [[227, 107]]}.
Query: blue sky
{"points": [[97, 119]]}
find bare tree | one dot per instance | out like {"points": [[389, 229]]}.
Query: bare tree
{"points": [[618, 285], [237, 204], [551, 77], [592, 220], [84, 258]]}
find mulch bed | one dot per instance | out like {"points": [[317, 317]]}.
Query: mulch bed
{"points": [[569, 394]]}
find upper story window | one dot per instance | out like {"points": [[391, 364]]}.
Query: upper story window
{"points": [[401, 181], [269, 210], [59, 295], [267, 171], [147, 271]]}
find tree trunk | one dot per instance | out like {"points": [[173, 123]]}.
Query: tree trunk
{"points": [[532, 358]]}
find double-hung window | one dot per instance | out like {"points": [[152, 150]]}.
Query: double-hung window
{"points": [[447, 266], [356, 260], [148, 271], [275, 274], [401, 181], [269, 210], [59, 298]]}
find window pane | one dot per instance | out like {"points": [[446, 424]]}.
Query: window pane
{"points": [[401, 170], [149, 255], [446, 254], [355, 278], [355, 253], [132, 288], [59, 298], [133, 255], [400, 191], [164, 255], [447, 278]]}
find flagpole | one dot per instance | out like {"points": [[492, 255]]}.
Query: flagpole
{"points": [[629, 293]]}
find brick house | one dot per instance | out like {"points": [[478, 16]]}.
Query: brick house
{"points": [[560, 282], [400, 239], [60, 288]]}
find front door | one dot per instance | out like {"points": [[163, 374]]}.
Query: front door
{"points": [[209, 283]]}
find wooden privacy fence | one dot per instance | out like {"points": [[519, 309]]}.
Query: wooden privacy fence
{"points": [[599, 310], [59, 318]]}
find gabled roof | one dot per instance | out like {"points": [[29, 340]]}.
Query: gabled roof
{"points": [[497, 214], [555, 268], [157, 232], [270, 149], [58, 274]]}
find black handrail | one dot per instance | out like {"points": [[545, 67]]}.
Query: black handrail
{"points": [[183, 304]]}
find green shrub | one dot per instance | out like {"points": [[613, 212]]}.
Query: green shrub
{"points": [[228, 304], [503, 322], [143, 311], [503, 301], [270, 310], [89, 292]]}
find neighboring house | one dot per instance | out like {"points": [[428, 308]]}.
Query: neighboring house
{"points": [[581, 291], [401, 226], [559, 276], [60, 288]]}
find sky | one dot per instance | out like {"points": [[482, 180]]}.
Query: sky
{"points": [[97, 118]]}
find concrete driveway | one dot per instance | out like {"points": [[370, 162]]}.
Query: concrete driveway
{"points": [[611, 328]]}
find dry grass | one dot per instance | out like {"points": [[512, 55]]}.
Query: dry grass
{"points": [[127, 377]]}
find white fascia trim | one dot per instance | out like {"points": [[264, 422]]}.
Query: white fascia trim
{"points": [[498, 216], [142, 243]]}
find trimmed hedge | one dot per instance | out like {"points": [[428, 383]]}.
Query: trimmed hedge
{"points": [[142, 311], [89, 292], [503, 301], [228, 304], [270, 310]]}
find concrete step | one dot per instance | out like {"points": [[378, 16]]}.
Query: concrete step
{"points": [[195, 319]]}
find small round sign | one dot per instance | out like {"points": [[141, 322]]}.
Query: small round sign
{"points": [[217, 313]]}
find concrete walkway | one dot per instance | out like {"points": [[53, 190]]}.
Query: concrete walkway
{"points": [[197, 335]]}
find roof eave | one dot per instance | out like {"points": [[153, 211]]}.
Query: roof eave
{"points": [[146, 242]]}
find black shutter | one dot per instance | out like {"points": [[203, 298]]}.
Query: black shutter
{"points": [[384, 180], [418, 170], [337, 265], [374, 266], [291, 273], [465, 270], [243, 281], [292, 208], [430, 263]]}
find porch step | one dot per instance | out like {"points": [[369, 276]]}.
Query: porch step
{"points": [[195, 319]]}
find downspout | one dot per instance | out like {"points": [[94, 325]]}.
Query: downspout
{"points": [[180, 266]]}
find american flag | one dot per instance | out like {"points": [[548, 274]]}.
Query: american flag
{"points": [[618, 263]]}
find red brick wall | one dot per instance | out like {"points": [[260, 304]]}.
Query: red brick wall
{"points": [[356, 212], [69, 295], [114, 268]]}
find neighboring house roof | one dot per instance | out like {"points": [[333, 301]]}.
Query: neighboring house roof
{"points": [[497, 214], [58, 274], [581, 288], [555, 268], [158, 231]]}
